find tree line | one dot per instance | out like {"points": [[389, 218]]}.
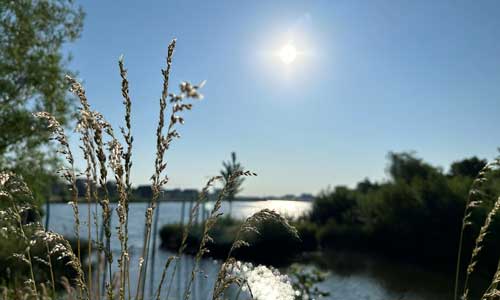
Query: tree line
{"points": [[415, 215]]}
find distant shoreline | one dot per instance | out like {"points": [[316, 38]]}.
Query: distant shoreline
{"points": [[82, 200]]}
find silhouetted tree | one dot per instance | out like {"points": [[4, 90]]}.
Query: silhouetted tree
{"points": [[469, 167], [405, 166], [337, 205], [366, 186], [416, 215], [234, 187]]}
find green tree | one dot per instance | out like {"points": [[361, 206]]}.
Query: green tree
{"points": [[32, 70], [234, 187], [469, 167], [338, 205], [406, 167]]}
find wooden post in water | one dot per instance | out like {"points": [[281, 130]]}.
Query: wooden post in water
{"points": [[47, 214], [190, 207], [153, 250], [183, 212]]}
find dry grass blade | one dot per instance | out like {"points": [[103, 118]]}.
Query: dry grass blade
{"points": [[224, 279], [163, 141], [492, 292], [210, 223], [161, 147], [84, 127], [115, 156], [98, 125], [67, 173], [127, 157], [474, 200], [193, 215], [163, 275]]}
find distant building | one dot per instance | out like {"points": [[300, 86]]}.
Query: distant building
{"points": [[306, 197]]}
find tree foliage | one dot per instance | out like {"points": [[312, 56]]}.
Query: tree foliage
{"points": [[231, 167], [233, 184], [416, 213], [468, 167], [32, 70], [337, 204]]}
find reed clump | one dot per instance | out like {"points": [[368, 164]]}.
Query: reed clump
{"points": [[108, 154]]}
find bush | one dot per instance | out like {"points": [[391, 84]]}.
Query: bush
{"points": [[417, 215], [338, 205], [308, 233], [274, 244]]}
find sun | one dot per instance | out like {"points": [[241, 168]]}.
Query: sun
{"points": [[288, 54]]}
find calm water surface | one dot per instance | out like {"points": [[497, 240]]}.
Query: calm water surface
{"points": [[350, 276]]}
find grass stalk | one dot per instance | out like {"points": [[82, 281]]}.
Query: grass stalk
{"points": [[473, 200], [127, 157], [161, 146], [210, 223]]}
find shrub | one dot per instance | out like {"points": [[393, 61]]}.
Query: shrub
{"points": [[308, 233], [269, 243], [338, 205]]}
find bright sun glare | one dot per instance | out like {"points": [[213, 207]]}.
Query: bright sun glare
{"points": [[288, 54]]}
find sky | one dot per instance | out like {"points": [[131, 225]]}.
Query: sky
{"points": [[370, 77]]}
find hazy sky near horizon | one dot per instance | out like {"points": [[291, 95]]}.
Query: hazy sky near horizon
{"points": [[371, 77]]}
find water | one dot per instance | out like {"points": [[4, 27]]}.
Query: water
{"points": [[350, 276], [368, 277]]}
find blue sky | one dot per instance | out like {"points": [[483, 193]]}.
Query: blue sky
{"points": [[371, 77]]}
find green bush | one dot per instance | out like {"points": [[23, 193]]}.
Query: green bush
{"points": [[273, 244], [416, 215], [338, 204], [308, 233]]}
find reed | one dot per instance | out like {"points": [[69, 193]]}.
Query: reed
{"points": [[226, 275], [127, 157], [475, 200], [33, 235], [106, 156]]}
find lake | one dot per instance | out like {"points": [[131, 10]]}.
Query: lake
{"points": [[351, 276]]}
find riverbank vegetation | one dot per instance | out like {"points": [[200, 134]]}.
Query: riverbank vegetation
{"points": [[420, 206], [416, 216]]}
